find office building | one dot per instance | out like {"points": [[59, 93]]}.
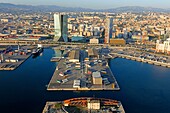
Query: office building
{"points": [[108, 29], [163, 47], [60, 27]]}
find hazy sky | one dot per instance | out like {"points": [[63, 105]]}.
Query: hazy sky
{"points": [[95, 4]]}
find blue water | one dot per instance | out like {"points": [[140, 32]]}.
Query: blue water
{"points": [[144, 88]]}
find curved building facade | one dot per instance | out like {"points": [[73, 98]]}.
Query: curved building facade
{"points": [[60, 27]]}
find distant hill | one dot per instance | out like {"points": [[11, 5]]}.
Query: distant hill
{"points": [[13, 8], [137, 9]]}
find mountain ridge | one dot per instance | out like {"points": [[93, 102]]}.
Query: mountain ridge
{"points": [[8, 7]]}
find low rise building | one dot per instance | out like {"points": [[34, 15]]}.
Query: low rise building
{"points": [[97, 79], [92, 53], [163, 47], [4, 20], [74, 56], [140, 37], [93, 104], [94, 41], [117, 42], [76, 84]]}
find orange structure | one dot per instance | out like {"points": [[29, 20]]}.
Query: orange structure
{"points": [[82, 101]]}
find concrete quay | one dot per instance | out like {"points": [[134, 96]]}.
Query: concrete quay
{"points": [[49, 104], [14, 65], [13, 56], [84, 105], [142, 60], [61, 81], [85, 85]]}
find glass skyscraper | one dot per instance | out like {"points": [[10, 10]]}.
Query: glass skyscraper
{"points": [[60, 27], [108, 29]]}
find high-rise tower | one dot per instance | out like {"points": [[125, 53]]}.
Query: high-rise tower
{"points": [[108, 29], [60, 27]]}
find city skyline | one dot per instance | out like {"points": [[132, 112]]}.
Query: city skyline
{"points": [[99, 4], [65, 59]]}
